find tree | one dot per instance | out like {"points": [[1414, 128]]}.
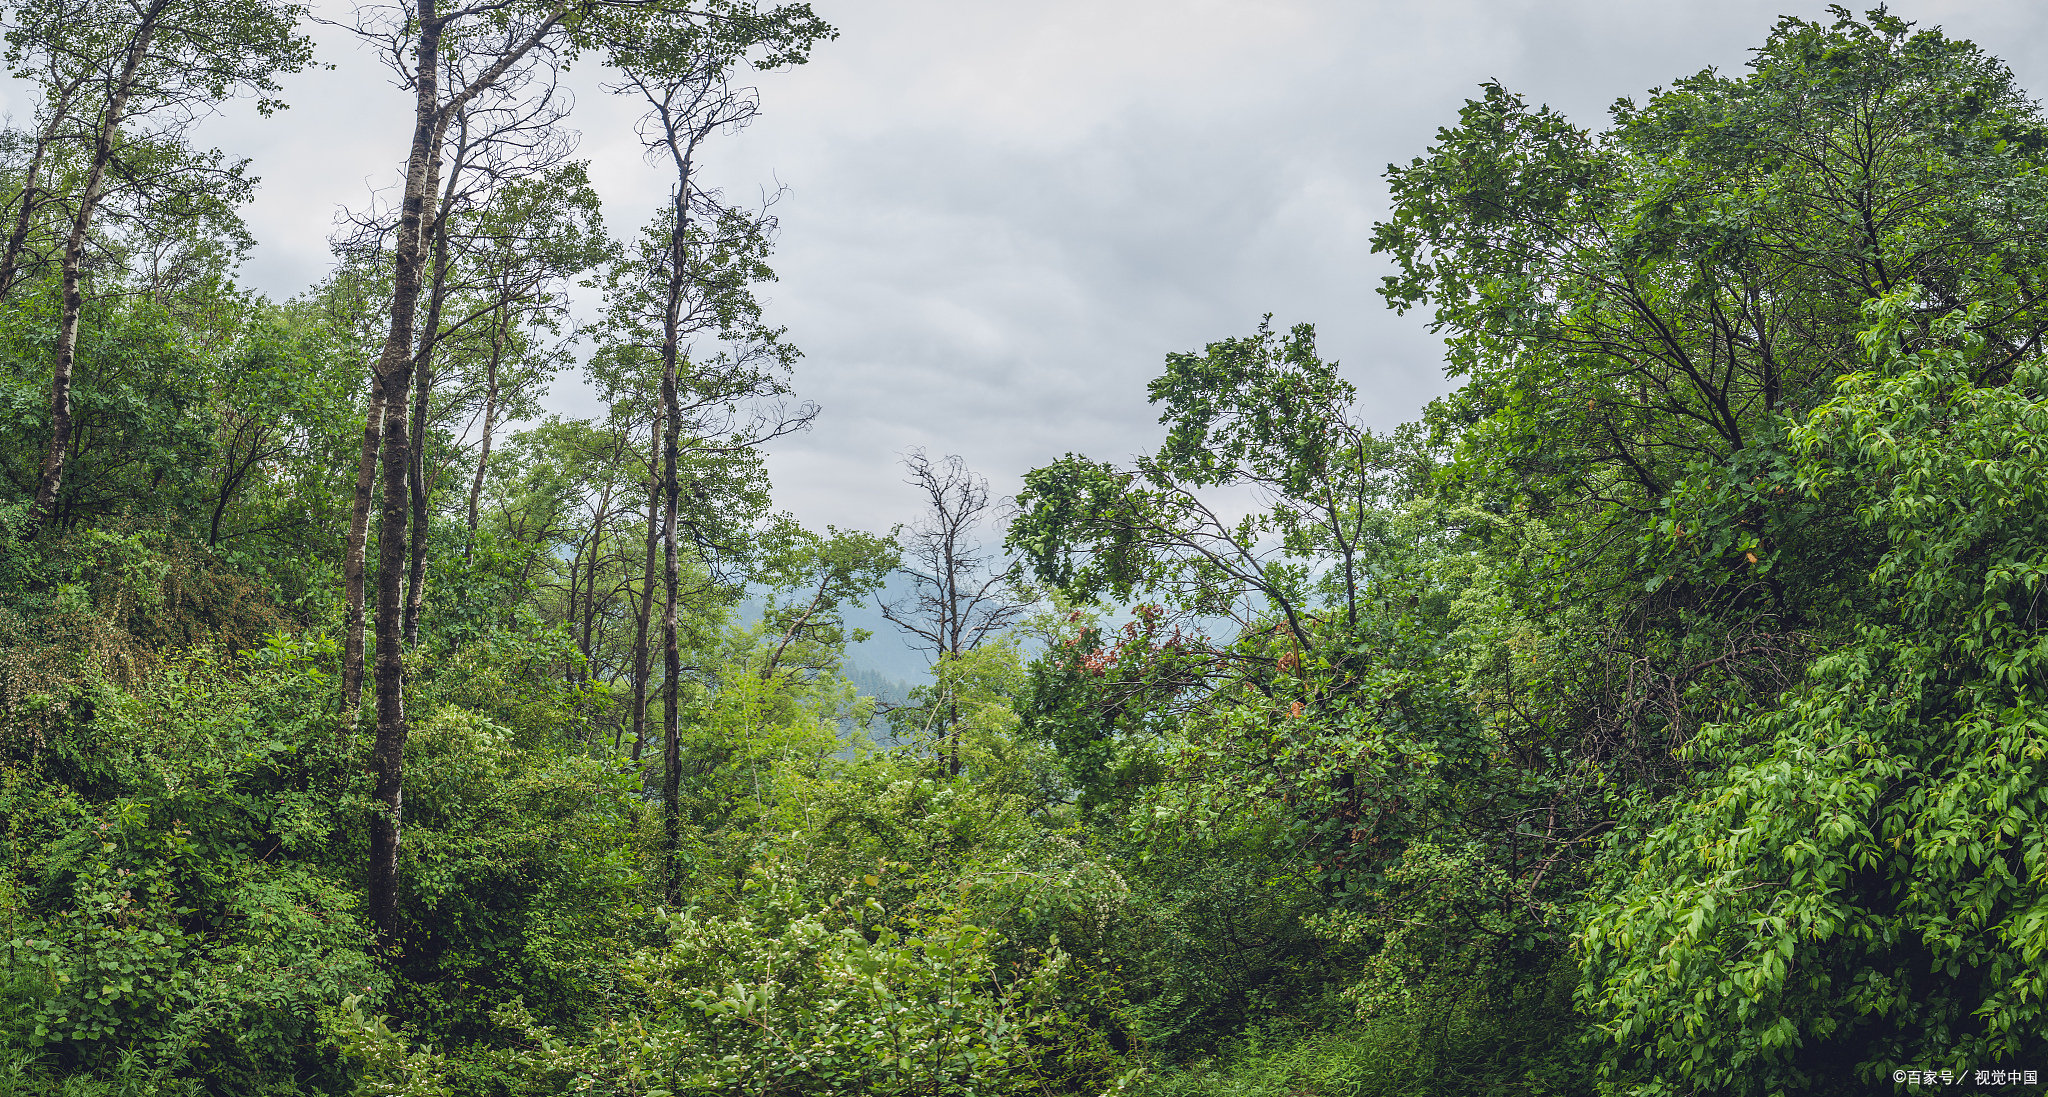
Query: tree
{"points": [[1735, 367], [159, 65], [1643, 314], [1321, 596], [820, 575], [480, 44], [533, 236], [143, 438], [64, 89], [681, 287], [1263, 412], [1670, 290], [958, 600], [1852, 880], [277, 397]]}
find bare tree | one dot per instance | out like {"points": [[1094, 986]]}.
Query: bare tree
{"points": [[959, 595]]}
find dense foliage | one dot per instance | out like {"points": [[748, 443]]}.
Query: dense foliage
{"points": [[1666, 712]]}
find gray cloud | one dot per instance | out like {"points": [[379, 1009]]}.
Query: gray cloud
{"points": [[1002, 216]]}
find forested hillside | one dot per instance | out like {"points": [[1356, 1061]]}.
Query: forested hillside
{"points": [[1664, 712]]}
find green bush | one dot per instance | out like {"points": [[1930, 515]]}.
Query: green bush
{"points": [[180, 910]]}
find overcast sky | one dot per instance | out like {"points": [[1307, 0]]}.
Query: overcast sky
{"points": [[1001, 216]]}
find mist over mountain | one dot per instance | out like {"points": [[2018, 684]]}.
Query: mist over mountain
{"points": [[885, 660]]}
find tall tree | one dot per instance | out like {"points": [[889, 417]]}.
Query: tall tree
{"points": [[695, 279], [482, 51], [1746, 373]]}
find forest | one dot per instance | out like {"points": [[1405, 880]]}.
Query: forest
{"points": [[1663, 712]]}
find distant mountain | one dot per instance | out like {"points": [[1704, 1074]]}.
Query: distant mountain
{"points": [[886, 653], [875, 684]]}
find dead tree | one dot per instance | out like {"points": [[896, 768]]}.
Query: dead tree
{"points": [[959, 595]]}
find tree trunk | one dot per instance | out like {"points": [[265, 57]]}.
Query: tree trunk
{"points": [[586, 627], [672, 656], [387, 759], [646, 615], [52, 478], [394, 366], [671, 333], [416, 495], [423, 388], [352, 562], [572, 614]]}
